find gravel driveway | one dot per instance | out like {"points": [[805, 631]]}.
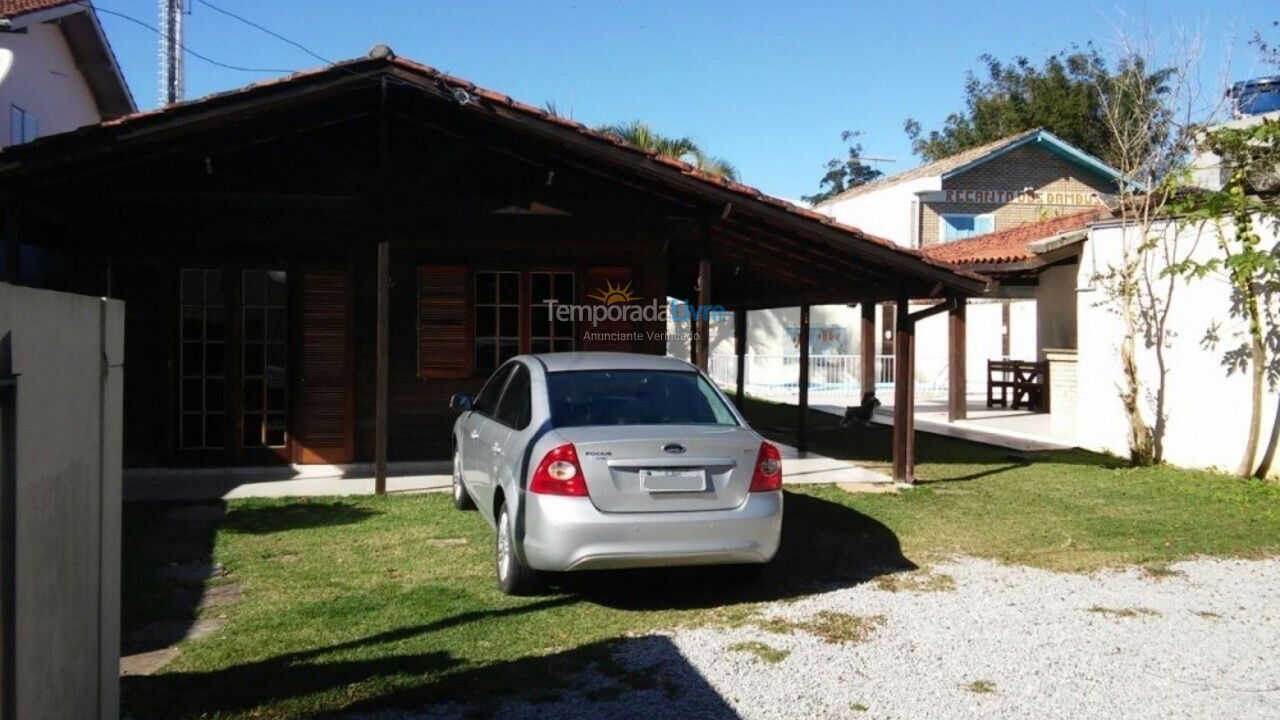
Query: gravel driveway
{"points": [[964, 639]]}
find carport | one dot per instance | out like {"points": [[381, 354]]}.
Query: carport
{"points": [[310, 263]]}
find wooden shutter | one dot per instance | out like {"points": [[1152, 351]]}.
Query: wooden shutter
{"points": [[599, 281], [444, 322], [324, 432]]}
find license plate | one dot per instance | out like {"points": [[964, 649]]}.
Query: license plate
{"points": [[673, 480]]}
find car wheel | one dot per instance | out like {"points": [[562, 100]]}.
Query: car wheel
{"points": [[514, 577], [461, 498]]}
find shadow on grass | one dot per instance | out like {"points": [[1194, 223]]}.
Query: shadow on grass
{"points": [[265, 683], [825, 546], [643, 676], [257, 520], [873, 445], [167, 558]]}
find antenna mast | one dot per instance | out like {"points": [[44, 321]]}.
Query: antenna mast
{"points": [[171, 73]]}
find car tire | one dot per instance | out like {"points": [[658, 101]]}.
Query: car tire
{"points": [[514, 577], [461, 498]]}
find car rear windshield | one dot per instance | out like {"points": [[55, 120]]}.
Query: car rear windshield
{"points": [[634, 397]]}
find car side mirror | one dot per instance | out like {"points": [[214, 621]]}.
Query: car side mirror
{"points": [[460, 402]]}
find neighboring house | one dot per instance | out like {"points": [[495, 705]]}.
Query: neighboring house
{"points": [[1016, 181], [245, 231], [1022, 178], [64, 73], [1079, 333]]}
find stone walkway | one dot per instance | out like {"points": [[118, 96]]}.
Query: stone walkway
{"points": [[196, 587]]}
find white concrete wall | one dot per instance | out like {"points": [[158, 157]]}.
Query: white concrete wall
{"points": [[45, 82], [888, 213], [67, 351], [1207, 408]]}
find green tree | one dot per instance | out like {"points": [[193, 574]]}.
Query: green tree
{"points": [[1065, 95], [640, 134], [844, 173], [1248, 200]]}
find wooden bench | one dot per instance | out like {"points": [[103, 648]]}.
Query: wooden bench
{"points": [[1027, 381]]}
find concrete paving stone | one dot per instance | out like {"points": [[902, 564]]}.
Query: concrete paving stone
{"points": [[220, 595], [147, 663]]}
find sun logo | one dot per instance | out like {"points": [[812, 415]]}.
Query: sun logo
{"points": [[612, 294]]}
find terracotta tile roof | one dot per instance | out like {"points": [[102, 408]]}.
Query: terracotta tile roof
{"points": [[1010, 245], [938, 167], [10, 8], [454, 83]]}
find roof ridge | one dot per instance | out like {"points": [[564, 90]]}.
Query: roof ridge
{"points": [[457, 83]]}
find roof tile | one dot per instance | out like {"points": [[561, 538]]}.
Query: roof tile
{"points": [[1010, 245]]}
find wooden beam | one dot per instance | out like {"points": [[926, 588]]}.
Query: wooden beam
{"points": [[802, 421], [904, 393], [381, 372], [934, 309], [740, 350], [957, 407], [703, 337], [868, 348]]}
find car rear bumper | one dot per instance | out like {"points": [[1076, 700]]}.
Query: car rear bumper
{"points": [[569, 533]]}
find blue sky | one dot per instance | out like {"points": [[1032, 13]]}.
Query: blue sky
{"points": [[768, 85]]}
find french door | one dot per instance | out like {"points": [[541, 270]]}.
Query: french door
{"points": [[233, 365]]}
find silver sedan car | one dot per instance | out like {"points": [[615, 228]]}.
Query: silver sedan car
{"points": [[595, 460]]}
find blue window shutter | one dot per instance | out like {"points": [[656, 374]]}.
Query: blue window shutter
{"points": [[984, 224]]}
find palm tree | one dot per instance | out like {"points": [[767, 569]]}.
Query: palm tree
{"points": [[638, 133]]}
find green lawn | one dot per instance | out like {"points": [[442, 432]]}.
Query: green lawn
{"points": [[362, 603]]}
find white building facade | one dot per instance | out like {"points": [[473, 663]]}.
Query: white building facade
{"points": [[62, 73]]}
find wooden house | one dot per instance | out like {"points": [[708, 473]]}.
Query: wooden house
{"points": [[312, 265]]}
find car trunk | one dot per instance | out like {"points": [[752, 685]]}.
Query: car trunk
{"points": [[640, 468]]}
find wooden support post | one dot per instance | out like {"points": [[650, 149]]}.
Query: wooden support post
{"points": [[703, 337], [381, 408], [693, 337], [957, 392], [868, 348], [740, 350], [904, 393], [802, 422], [382, 341]]}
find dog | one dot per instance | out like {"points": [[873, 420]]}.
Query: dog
{"points": [[861, 415]]}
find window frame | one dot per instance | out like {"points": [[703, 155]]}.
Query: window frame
{"points": [[942, 225], [525, 307], [553, 338], [218, 275]]}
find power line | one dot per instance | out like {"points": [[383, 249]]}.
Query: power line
{"points": [[267, 30], [185, 49]]}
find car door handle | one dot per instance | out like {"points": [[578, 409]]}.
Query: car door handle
{"points": [[497, 449], [475, 434]]}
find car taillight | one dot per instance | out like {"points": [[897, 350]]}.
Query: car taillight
{"points": [[559, 473], [768, 474]]}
